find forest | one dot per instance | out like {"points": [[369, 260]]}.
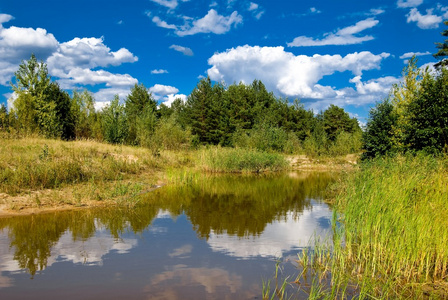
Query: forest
{"points": [[237, 115]]}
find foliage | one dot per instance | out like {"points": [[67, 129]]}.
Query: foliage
{"points": [[443, 50], [169, 134], [85, 118], [139, 104], [238, 115], [115, 124], [414, 119], [145, 126], [377, 138], [428, 126], [41, 106], [336, 120], [4, 117]]}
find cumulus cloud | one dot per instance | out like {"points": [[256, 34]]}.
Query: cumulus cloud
{"points": [[163, 90], [78, 62], [289, 75], [212, 22], [344, 36], [87, 53], [17, 43], [169, 99], [408, 3], [428, 21], [166, 94], [74, 60], [184, 50]]}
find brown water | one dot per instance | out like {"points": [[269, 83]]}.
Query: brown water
{"points": [[216, 237]]}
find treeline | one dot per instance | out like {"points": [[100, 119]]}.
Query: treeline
{"points": [[414, 118], [235, 116]]}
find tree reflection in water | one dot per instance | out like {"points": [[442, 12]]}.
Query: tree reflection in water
{"points": [[236, 205]]}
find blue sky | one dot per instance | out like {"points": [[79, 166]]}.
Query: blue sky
{"points": [[347, 53]]}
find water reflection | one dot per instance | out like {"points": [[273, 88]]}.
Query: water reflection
{"points": [[177, 240]]}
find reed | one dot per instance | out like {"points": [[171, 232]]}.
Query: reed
{"points": [[390, 240], [239, 160]]}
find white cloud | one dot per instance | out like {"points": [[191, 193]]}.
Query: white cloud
{"points": [[210, 23], [169, 99], [87, 53], [377, 86], [344, 36], [104, 96], [314, 10], [185, 50], [408, 3], [5, 18], [298, 76], [411, 54], [284, 72], [90, 77], [171, 4], [159, 22], [159, 71], [427, 21], [16, 44], [376, 11], [256, 10], [72, 63], [166, 94], [160, 90], [253, 6]]}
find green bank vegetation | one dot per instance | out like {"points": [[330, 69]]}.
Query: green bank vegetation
{"points": [[235, 116], [56, 142], [391, 217]]}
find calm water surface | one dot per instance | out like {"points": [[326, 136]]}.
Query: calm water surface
{"points": [[217, 237]]}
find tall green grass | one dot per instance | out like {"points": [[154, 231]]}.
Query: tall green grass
{"points": [[391, 236], [237, 160]]}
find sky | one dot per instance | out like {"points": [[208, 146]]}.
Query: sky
{"points": [[347, 53]]}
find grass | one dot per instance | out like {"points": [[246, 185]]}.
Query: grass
{"points": [[390, 240], [43, 173], [239, 160], [37, 172]]}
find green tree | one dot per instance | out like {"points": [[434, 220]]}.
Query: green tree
{"points": [[402, 95], [336, 120], [443, 49], [63, 112], [145, 126], [41, 106], [84, 114], [427, 129], [115, 125], [4, 118], [377, 138], [204, 113], [32, 77], [139, 101]]}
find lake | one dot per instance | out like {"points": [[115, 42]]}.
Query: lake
{"points": [[211, 237]]}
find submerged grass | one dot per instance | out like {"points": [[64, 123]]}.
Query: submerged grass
{"points": [[390, 242], [239, 160]]}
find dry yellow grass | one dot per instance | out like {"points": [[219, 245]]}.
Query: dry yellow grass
{"points": [[39, 174]]}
